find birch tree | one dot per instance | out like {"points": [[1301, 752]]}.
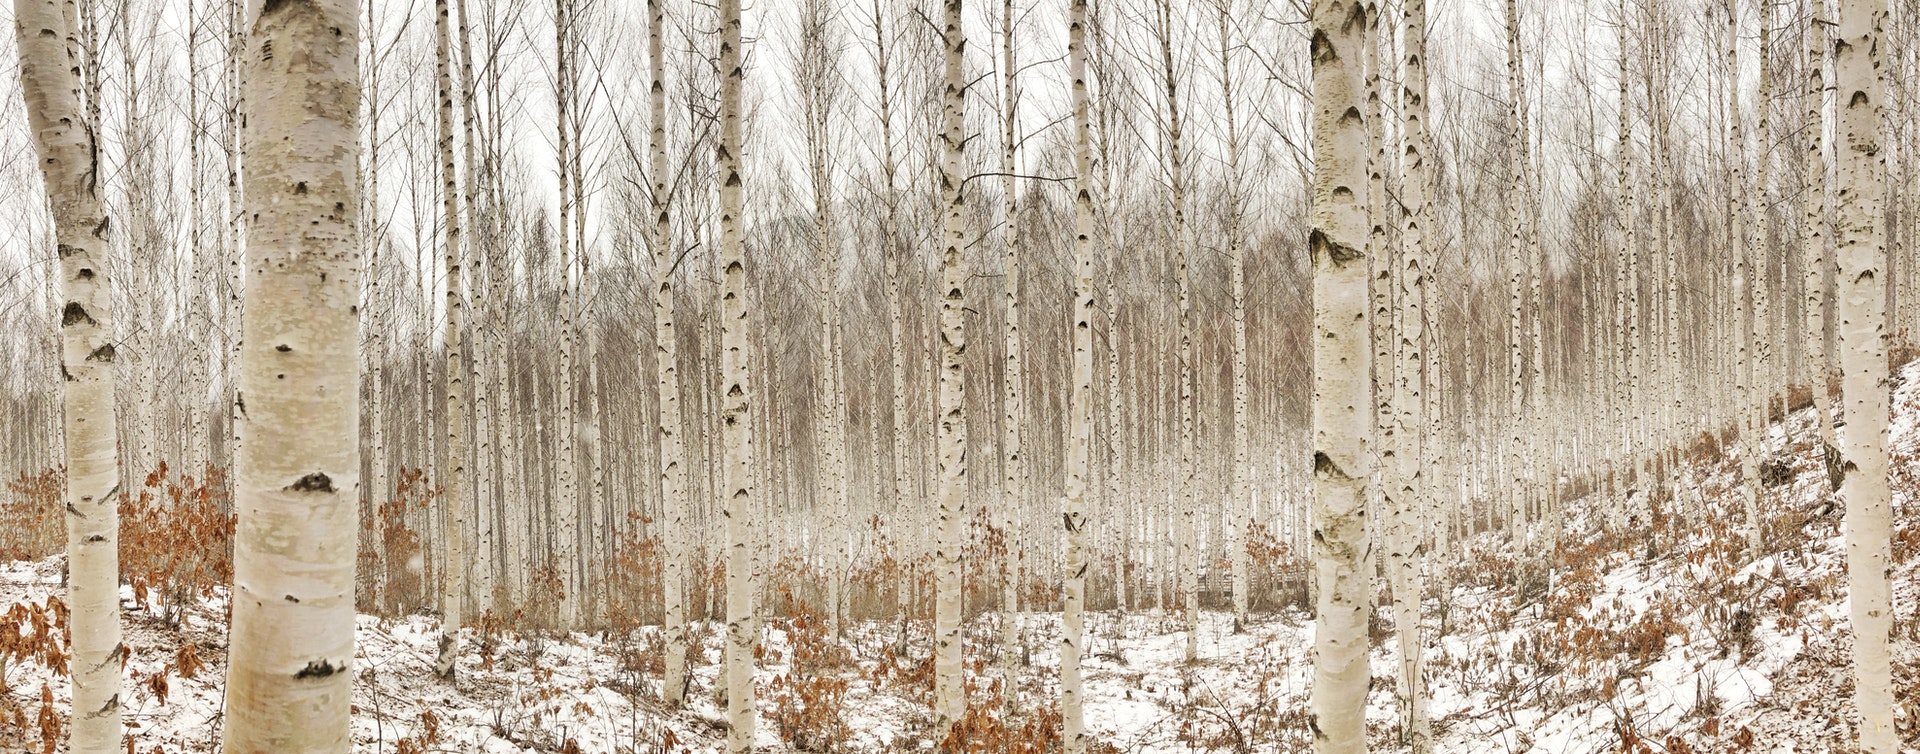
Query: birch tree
{"points": [[1407, 485], [666, 359], [290, 662], [1342, 544], [1814, 260], [1239, 505], [1516, 270], [1745, 282], [566, 514], [1013, 488], [1080, 403], [1623, 284], [818, 78], [737, 420], [949, 695], [1187, 559], [50, 83], [1859, 64], [454, 575]]}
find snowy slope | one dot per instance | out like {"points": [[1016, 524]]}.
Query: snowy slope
{"points": [[1667, 640]]}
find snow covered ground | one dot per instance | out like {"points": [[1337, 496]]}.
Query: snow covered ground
{"points": [[1668, 640]]}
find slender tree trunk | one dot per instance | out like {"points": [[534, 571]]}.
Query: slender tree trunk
{"points": [[1814, 231], [1119, 486], [1406, 550], [453, 494], [372, 238], [1516, 270], [1342, 545], [1013, 490], [1745, 282], [197, 380], [51, 87], [1624, 285], [1762, 249], [567, 502], [666, 362], [897, 349], [236, 225], [736, 396], [949, 697], [820, 77], [291, 661], [1080, 401], [1187, 560], [1859, 71], [1239, 503]]}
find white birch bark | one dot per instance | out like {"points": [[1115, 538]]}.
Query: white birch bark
{"points": [[236, 242], [949, 697], [1187, 561], [666, 350], [486, 523], [1660, 122], [1013, 484], [1239, 502], [1516, 270], [290, 665], [1080, 401], [1405, 549], [50, 84], [566, 534], [1119, 423], [1859, 72], [1623, 283], [891, 249], [1761, 197], [736, 392], [819, 79], [372, 238], [1815, 261], [1745, 281], [199, 337], [1342, 547], [453, 495]]}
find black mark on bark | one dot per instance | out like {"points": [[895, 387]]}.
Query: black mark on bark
{"points": [[316, 669], [314, 482]]}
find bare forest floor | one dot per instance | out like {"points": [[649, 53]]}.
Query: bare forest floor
{"points": [[1667, 639]]}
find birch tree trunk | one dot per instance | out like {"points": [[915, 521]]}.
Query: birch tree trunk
{"points": [[891, 249], [1239, 505], [372, 237], [1516, 270], [1623, 284], [453, 495], [1762, 251], [666, 361], [818, 78], [1859, 61], [50, 84], [236, 226], [735, 395], [200, 338], [290, 665], [1745, 282], [566, 538], [1080, 406], [1814, 230], [1013, 489], [1342, 546], [1187, 560], [949, 696], [1405, 550]]}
